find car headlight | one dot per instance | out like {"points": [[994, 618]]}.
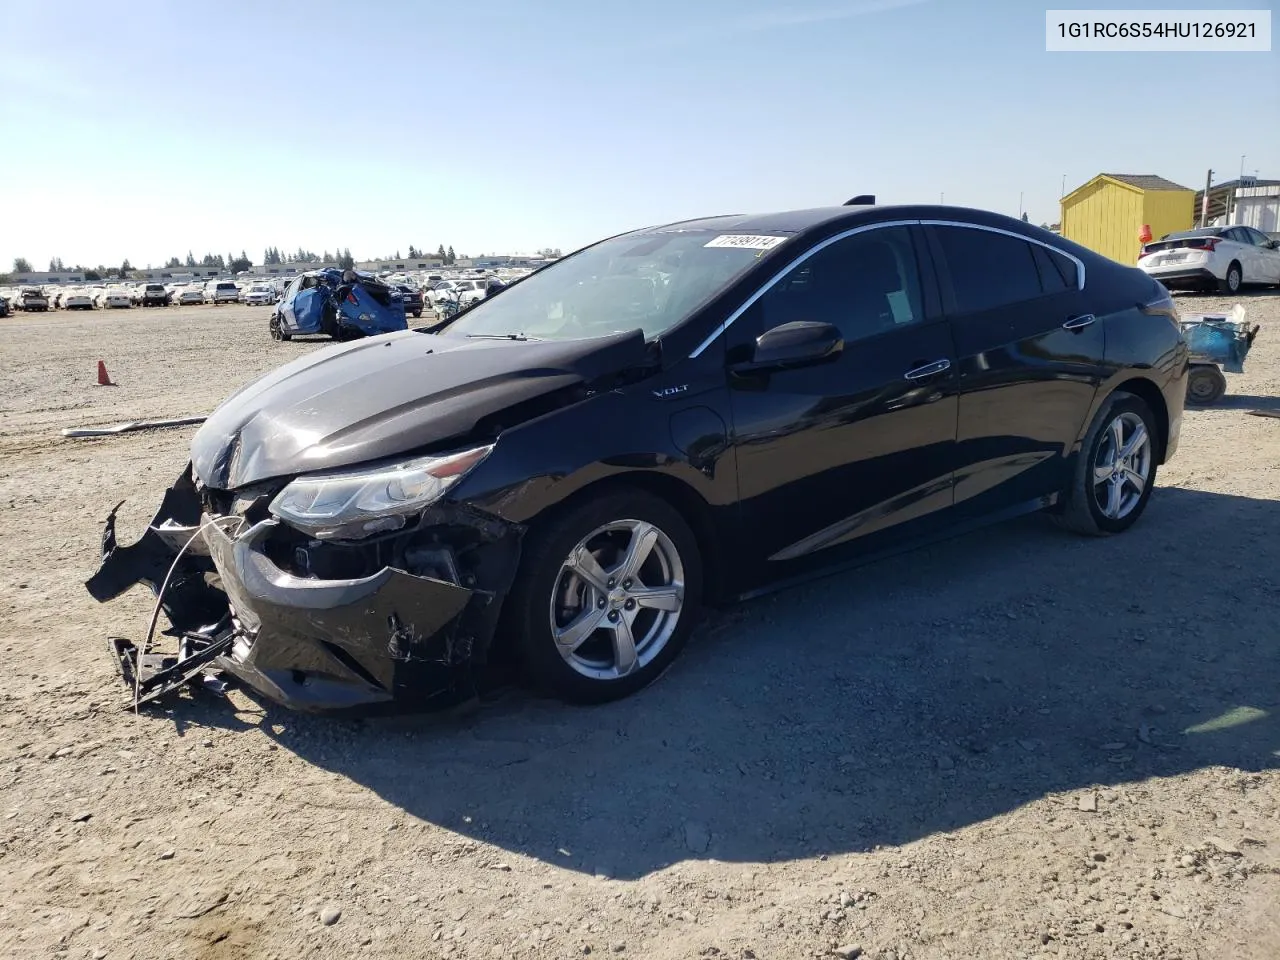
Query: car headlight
{"points": [[350, 504]]}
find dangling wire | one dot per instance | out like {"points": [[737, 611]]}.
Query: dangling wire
{"points": [[155, 612]]}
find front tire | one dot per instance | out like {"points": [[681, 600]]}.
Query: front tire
{"points": [[1231, 282], [1115, 471], [277, 331], [606, 596]]}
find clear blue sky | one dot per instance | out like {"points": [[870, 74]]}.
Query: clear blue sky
{"points": [[142, 130]]}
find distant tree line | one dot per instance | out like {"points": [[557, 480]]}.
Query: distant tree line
{"points": [[447, 257], [100, 272]]}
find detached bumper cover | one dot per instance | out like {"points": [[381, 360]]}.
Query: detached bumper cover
{"points": [[309, 644]]}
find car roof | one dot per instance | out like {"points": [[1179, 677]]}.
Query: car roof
{"points": [[789, 221], [814, 218]]}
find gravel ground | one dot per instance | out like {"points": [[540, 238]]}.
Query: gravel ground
{"points": [[1019, 745]]}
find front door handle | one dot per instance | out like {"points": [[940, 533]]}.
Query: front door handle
{"points": [[1080, 322], [928, 370]]}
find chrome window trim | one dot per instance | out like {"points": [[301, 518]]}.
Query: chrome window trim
{"points": [[711, 338], [1009, 233]]}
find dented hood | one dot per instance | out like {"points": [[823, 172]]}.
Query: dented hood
{"points": [[387, 395]]}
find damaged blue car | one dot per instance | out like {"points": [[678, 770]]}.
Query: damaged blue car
{"points": [[342, 304]]}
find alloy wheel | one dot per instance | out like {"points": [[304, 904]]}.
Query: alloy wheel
{"points": [[1122, 466], [617, 599]]}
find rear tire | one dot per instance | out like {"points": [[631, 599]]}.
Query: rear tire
{"points": [[1110, 488], [1232, 281], [1206, 385], [605, 597]]}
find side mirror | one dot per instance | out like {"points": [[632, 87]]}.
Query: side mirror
{"points": [[796, 344]]}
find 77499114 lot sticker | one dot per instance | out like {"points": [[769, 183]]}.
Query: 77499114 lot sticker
{"points": [[745, 241]]}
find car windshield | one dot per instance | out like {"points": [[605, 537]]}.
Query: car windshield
{"points": [[651, 280]]}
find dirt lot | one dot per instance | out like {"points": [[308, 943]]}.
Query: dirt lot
{"points": [[1021, 745]]}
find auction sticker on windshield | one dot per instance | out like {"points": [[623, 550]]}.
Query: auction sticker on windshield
{"points": [[745, 241]]}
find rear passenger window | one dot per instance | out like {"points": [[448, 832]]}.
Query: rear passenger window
{"points": [[1057, 273], [988, 270]]}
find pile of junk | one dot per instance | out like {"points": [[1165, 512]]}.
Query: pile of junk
{"points": [[1217, 342]]}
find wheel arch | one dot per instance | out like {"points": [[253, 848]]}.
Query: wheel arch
{"points": [[1149, 393], [690, 504]]}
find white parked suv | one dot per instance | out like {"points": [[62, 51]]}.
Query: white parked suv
{"points": [[1222, 258], [221, 291], [260, 294]]}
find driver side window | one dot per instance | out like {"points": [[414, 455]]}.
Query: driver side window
{"points": [[865, 285]]}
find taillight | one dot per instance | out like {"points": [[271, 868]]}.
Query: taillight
{"points": [[1207, 243], [351, 297], [1161, 305]]}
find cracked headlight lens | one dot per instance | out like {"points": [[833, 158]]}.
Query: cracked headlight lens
{"points": [[350, 504]]}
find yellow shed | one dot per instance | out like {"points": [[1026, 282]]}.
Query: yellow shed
{"points": [[1107, 213]]}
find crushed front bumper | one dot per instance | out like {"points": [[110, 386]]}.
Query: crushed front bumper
{"points": [[393, 639]]}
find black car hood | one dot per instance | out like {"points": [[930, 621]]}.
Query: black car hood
{"points": [[387, 395]]}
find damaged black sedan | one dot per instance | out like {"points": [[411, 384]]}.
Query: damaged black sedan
{"points": [[564, 474]]}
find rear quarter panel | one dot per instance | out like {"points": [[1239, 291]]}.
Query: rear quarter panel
{"points": [[1145, 352]]}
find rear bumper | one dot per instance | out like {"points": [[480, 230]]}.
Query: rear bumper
{"points": [[1183, 277], [372, 322], [391, 640]]}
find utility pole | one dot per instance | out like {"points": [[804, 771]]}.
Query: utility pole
{"points": [[1231, 199], [1204, 203], [1020, 195], [1064, 186], [940, 196]]}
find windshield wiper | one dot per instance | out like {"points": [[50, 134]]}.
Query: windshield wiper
{"points": [[501, 336]]}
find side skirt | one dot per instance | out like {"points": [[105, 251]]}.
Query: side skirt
{"points": [[948, 532]]}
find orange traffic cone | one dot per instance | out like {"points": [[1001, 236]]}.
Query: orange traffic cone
{"points": [[104, 379]]}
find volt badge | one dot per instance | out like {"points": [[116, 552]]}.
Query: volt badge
{"points": [[671, 391]]}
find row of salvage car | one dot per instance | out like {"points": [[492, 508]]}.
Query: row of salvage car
{"points": [[121, 295], [444, 295]]}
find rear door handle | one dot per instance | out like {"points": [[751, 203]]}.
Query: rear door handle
{"points": [[1080, 322], [928, 370]]}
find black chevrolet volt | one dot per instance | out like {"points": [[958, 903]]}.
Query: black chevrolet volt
{"points": [[560, 477]]}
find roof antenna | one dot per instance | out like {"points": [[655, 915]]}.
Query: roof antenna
{"points": [[862, 200]]}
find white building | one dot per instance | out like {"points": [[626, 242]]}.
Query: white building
{"points": [[38, 278], [290, 269], [401, 265], [179, 274], [1258, 207]]}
